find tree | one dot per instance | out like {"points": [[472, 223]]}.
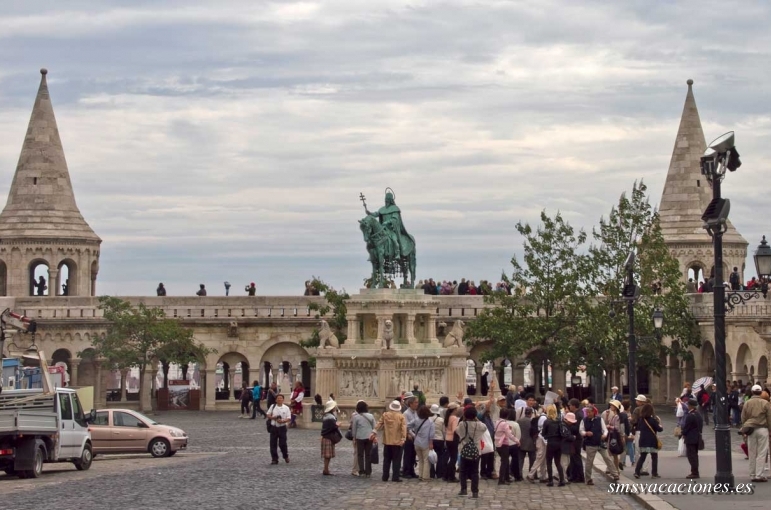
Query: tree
{"points": [[548, 295], [138, 336], [335, 303], [633, 225]]}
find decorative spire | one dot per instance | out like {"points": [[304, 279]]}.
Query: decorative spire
{"points": [[41, 203], [686, 192]]}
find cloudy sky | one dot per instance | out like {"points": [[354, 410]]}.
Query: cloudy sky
{"points": [[212, 141]]}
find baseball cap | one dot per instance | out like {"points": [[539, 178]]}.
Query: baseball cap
{"points": [[757, 388]]}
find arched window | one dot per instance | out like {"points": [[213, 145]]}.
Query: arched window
{"points": [[39, 280]]}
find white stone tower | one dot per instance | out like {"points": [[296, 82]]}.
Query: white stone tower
{"points": [[41, 227], [686, 195]]}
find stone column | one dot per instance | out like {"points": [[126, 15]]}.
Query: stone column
{"points": [[231, 390], [210, 388], [123, 374], [387, 390], [99, 395], [456, 377], [411, 340], [517, 375], [326, 377], [657, 389], [432, 330], [673, 384], [353, 331], [558, 379], [74, 364], [53, 282], [146, 393]]}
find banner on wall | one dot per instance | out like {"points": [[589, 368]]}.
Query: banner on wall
{"points": [[179, 394]]}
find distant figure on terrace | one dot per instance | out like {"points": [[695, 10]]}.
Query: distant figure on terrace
{"points": [[66, 288], [40, 287], [202, 291], [161, 290], [251, 289]]}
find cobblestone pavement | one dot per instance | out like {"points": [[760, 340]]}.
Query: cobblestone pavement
{"points": [[228, 466]]}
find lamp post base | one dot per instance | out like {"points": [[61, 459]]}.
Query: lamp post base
{"points": [[724, 474]]}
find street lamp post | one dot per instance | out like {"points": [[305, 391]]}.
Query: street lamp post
{"points": [[719, 157]]}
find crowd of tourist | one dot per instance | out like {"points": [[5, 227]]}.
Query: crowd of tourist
{"points": [[464, 288], [462, 442], [734, 283]]}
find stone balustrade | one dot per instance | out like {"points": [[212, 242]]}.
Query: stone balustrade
{"points": [[217, 308], [702, 308]]}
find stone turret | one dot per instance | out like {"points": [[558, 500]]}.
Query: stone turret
{"points": [[686, 195], [41, 228]]}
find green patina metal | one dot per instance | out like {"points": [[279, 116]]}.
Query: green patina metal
{"points": [[391, 248]]}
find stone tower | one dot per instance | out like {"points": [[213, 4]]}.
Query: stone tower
{"points": [[686, 195], [42, 232]]}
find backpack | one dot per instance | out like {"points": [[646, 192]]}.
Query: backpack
{"points": [[734, 278], [565, 432], [470, 450]]}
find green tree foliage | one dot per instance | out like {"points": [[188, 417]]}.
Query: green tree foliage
{"points": [[563, 291], [335, 303], [633, 225], [548, 295], [138, 336]]}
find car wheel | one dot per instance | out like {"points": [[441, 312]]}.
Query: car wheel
{"points": [[160, 447], [37, 466], [86, 458]]}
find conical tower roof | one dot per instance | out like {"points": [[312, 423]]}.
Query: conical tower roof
{"points": [[41, 203], [686, 192]]}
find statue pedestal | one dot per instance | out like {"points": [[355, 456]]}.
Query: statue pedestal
{"points": [[391, 347]]}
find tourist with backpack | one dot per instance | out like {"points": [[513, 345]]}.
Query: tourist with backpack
{"points": [[735, 280], [552, 434], [470, 432]]}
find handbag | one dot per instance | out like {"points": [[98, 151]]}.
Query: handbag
{"points": [[616, 444], [470, 451], [374, 458], [486, 443], [701, 443], [432, 457], [678, 431], [335, 436], [659, 444]]}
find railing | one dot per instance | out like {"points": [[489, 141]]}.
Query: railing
{"points": [[221, 308]]}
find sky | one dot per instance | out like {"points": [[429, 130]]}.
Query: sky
{"points": [[214, 141]]}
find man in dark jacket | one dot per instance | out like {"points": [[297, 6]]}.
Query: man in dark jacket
{"points": [[526, 443], [691, 431]]}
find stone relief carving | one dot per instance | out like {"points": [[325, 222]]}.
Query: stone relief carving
{"points": [[356, 383], [233, 329], [429, 381], [327, 339], [455, 336]]}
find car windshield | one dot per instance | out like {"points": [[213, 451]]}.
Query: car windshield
{"points": [[145, 418]]}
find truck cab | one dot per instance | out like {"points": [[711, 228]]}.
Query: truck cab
{"points": [[38, 427]]}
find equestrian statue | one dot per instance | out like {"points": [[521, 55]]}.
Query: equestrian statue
{"points": [[391, 249]]}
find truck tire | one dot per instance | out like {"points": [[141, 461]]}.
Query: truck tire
{"points": [[37, 466], [85, 460], [159, 447]]}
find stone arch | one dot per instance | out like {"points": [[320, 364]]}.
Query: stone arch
{"points": [[37, 268], [743, 361], [281, 363], [87, 369], [228, 366], [763, 370], [3, 278], [707, 358], [67, 278], [695, 269]]}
